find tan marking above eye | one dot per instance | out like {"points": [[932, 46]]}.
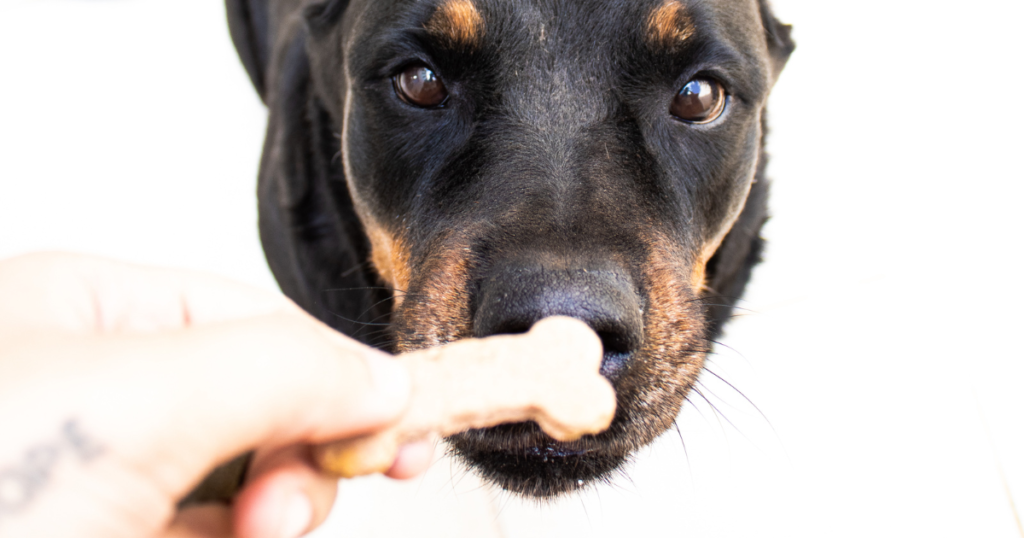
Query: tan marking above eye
{"points": [[457, 23], [669, 25]]}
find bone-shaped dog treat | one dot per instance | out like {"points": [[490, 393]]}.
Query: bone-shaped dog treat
{"points": [[548, 375]]}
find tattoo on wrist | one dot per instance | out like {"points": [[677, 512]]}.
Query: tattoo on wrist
{"points": [[20, 483]]}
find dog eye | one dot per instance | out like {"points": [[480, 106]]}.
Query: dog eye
{"points": [[700, 101], [419, 86]]}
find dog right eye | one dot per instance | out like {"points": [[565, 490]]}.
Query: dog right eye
{"points": [[701, 100], [419, 86]]}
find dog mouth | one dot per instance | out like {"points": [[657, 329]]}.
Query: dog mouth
{"points": [[649, 324], [521, 459]]}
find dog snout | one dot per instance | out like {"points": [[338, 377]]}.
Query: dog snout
{"points": [[515, 297]]}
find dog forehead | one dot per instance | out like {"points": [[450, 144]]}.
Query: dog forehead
{"points": [[589, 32], [468, 21]]}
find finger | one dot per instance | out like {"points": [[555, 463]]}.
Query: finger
{"points": [[175, 404], [207, 521], [286, 496], [413, 460], [95, 295]]}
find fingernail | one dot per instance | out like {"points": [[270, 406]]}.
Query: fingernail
{"points": [[390, 380], [297, 517], [413, 459]]}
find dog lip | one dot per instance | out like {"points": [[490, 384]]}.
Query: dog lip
{"points": [[533, 443], [550, 451], [520, 459]]}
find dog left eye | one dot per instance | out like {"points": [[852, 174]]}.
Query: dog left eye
{"points": [[701, 100], [418, 85]]}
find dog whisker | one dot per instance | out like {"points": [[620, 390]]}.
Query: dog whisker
{"points": [[367, 311], [354, 268], [742, 395], [381, 288], [726, 346], [732, 306], [357, 322], [723, 297], [717, 413], [379, 332], [751, 402], [696, 408], [507, 499], [386, 333], [686, 453], [583, 503]]}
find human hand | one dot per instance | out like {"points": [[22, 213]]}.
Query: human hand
{"points": [[122, 386]]}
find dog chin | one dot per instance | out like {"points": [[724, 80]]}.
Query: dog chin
{"points": [[521, 459]]}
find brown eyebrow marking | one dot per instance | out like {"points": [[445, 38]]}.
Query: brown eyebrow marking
{"points": [[669, 25], [457, 23]]}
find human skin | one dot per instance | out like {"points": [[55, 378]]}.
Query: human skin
{"points": [[122, 386]]}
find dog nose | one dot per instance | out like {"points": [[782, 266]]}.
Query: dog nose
{"points": [[512, 299]]}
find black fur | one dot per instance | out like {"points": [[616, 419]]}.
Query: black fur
{"points": [[554, 157]]}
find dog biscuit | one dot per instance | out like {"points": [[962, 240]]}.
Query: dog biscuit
{"points": [[549, 375]]}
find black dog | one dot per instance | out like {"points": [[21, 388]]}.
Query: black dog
{"points": [[441, 169]]}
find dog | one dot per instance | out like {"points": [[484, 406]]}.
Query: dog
{"points": [[443, 169]]}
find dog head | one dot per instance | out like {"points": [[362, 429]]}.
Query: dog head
{"points": [[500, 162]]}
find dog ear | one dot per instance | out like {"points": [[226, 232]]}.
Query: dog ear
{"points": [[780, 43], [248, 21], [324, 46], [321, 16]]}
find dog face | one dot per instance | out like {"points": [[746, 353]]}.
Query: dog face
{"points": [[509, 161]]}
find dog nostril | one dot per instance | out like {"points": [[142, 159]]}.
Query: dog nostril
{"points": [[513, 298], [511, 326], [617, 349], [615, 342], [618, 346]]}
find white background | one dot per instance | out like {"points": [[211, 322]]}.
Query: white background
{"points": [[879, 341]]}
